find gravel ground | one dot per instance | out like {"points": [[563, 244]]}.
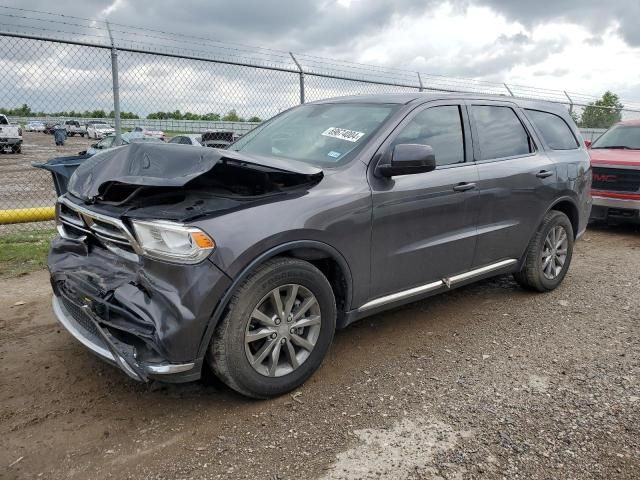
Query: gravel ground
{"points": [[21, 185], [487, 381]]}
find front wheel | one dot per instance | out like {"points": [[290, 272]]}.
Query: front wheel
{"points": [[277, 330], [548, 254]]}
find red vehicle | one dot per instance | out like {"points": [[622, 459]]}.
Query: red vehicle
{"points": [[615, 158]]}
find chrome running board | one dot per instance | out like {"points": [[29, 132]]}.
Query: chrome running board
{"points": [[428, 287]]}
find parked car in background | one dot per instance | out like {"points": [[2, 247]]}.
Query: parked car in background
{"points": [[248, 259], [187, 139], [99, 130], [10, 136], [127, 138], [49, 127], [35, 127], [149, 132], [73, 128], [218, 138], [615, 160]]}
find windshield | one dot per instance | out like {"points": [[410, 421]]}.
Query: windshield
{"points": [[324, 134], [624, 137]]}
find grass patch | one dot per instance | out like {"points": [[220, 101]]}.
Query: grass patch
{"points": [[22, 253]]}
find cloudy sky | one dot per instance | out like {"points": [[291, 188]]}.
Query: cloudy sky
{"points": [[585, 46]]}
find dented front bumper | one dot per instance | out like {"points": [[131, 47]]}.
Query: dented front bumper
{"points": [[148, 317]]}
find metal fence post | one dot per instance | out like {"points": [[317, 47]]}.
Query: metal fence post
{"points": [[421, 88], [570, 102], [301, 77], [116, 86], [508, 89]]}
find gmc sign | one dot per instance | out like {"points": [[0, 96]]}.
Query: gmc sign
{"points": [[603, 177]]}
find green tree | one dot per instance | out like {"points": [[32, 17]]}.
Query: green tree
{"points": [[575, 116], [211, 117], [232, 116], [602, 113], [255, 119]]}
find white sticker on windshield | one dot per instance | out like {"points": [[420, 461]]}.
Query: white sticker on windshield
{"points": [[343, 134]]}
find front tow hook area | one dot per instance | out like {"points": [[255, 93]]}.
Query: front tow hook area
{"points": [[123, 356], [105, 345]]}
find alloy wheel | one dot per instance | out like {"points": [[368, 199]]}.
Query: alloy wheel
{"points": [[554, 252], [283, 330]]}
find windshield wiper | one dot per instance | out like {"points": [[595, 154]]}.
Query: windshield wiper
{"points": [[614, 147]]}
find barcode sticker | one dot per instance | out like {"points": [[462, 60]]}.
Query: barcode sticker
{"points": [[343, 134]]}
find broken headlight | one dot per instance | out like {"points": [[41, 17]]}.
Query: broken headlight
{"points": [[173, 242]]}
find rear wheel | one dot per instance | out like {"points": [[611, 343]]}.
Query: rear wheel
{"points": [[548, 254], [277, 330], [16, 149]]}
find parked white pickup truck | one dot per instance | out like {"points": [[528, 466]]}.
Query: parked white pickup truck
{"points": [[73, 127], [10, 136]]}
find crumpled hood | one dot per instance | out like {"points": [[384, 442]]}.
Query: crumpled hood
{"points": [[163, 165]]}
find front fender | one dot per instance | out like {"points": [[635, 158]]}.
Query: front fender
{"points": [[258, 260]]}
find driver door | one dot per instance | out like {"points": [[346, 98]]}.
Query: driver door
{"points": [[424, 226]]}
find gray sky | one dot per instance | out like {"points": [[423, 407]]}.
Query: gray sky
{"points": [[585, 46]]}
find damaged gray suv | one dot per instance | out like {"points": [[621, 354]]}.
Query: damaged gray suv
{"points": [[170, 258]]}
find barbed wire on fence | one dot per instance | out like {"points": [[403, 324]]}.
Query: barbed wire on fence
{"points": [[71, 67]]}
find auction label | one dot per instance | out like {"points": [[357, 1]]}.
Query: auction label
{"points": [[343, 134]]}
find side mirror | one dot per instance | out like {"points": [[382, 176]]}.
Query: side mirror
{"points": [[588, 143], [407, 159]]}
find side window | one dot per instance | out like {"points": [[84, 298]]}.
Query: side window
{"points": [[500, 132], [554, 130], [440, 127], [175, 140], [186, 141]]}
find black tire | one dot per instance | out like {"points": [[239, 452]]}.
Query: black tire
{"points": [[82, 135], [17, 149], [532, 276], [227, 356]]}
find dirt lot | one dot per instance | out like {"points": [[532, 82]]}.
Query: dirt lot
{"points": [[488, 381], [21, 185]]}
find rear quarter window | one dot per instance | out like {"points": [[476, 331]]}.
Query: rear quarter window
{"points": [[554, 130]]}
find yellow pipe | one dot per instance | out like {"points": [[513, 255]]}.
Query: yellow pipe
{"points": [[24, 215]]}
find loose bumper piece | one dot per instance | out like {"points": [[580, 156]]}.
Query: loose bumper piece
{"points": [[88, 332]]}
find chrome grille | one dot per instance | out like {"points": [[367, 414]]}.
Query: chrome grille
{"points": [[78, 223]]}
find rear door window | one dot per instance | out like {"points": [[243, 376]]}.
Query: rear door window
{"points": [[554, 130], [500, 132]]}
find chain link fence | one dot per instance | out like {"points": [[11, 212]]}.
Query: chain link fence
{"points": [[57, 68]]}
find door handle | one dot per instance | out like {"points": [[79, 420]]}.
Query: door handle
{"points": [[464, 186], [544, 174]]}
